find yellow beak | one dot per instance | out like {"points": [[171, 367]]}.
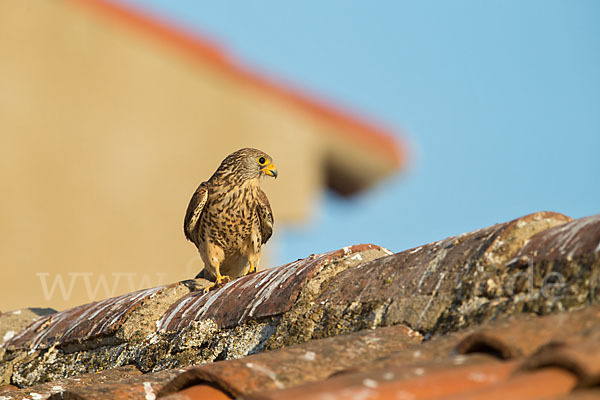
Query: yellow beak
{"points": [[270, 170]]}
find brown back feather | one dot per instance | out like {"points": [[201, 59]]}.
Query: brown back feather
{"points": [[265, 216], [194, 212]]}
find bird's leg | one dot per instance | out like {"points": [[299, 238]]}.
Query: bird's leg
{"points": [[252, 268], [220, 278]]}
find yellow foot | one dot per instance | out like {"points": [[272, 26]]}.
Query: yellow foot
{"points": [[221, 279], [206, 289], [252, 268]]}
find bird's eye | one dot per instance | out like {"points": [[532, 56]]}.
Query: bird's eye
{"points": [[262, 160]]}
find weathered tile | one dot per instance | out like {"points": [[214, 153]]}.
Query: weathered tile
{"points": [[13, 322], [525, 334], [581, 357], [120, 387], [100, 320], [295, 365], [440, 287], [394, 383], [543, 384], [571, 240], [55, 388], [199, 392], [267, 293]]}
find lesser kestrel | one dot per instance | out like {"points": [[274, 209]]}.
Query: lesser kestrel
{"points": [[229, 217]]}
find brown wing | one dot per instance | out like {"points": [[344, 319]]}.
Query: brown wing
{"points": [[265, 215], [194, 211]]}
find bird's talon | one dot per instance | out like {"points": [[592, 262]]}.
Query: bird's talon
{"points": [[207, 288], [223, 279]]}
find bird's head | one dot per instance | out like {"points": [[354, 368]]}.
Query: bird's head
{"points": [[247, 164]]}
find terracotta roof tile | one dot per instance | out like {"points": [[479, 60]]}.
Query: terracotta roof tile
{"points": [[204, 392], [524, 356], [582, 358], [267, 293], [101, 319], [119, 388], [426, 353], [491, 380], [134, 328], [568, 241], [294, 365], [117, 383], [437, 287], [540, 384], [412, 362], [421, 365], [585, 394], [394, 383], [12, 322], [471, 376], [524, 335], [82, 382], [510, 338]]}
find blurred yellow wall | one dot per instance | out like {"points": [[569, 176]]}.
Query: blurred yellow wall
{"points": [[105, 132]]}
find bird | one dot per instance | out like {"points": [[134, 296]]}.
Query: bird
{"points": [[229, 217]]}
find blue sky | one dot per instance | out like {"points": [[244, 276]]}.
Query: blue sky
{"points": [[499, 102]]}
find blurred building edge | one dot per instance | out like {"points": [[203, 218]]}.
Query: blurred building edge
{"points": [[110, 119]]}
